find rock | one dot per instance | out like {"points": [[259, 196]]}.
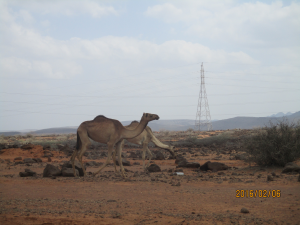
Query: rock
{"points": [[270, 178], [49, 159], [18, 158], [27, 146], [178, 184], [23, 174], [244, 210], [51, 170], [188, 164], [27, 173], [3, 146], [214, 166], [153, 168], [47, 155], [243, 156], [180, 159], [135, 155], [77, 166], [46, 147], [177, 170], [38, 160], [291, 167], [29, 160], [125, 162], [68, 172], [159, 156], [91, 163]]}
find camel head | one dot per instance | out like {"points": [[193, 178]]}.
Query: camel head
{"points": [[149, 117], [172, 151]]}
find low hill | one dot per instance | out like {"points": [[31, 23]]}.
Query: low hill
{"points": [[182, 124]]}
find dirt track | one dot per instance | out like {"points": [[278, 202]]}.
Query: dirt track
{"points": [[201, 198]]}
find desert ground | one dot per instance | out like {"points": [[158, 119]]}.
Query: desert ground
{"points": [[197, 197]]}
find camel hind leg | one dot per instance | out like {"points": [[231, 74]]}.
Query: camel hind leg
{"points": [[73, 161], [84, 142], [145, 148], [110, 150]]}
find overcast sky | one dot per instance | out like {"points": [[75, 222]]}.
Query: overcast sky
{"points": [[65, 62]]}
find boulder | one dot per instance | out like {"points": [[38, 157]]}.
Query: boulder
{"points": [[188, 164], [214, 166], [18, 158], [68, 172], [135, 155], [77, 166], [153, 168], [159, 156], [38, 160], [29, 160], [180, 159], [125, 162], [27, 146], [291, 167], [51, 170], [27, 173]]}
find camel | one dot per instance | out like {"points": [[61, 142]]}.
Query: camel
{"points": [[143, 139], [107, 131]]}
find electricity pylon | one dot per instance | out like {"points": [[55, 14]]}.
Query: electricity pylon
{"points": [[203, 119]]}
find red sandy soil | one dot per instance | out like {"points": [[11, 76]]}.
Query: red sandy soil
{"points": [[201, 198]]}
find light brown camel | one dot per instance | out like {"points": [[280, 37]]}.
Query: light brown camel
{"points": [[143, 139], [107, 131]]}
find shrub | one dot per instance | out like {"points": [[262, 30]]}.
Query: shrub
{"points": [[275, 145]]}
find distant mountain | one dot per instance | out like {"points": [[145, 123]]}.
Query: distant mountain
{"points": [[182, 125], [281, 114], [58, 130], [10, 133]]}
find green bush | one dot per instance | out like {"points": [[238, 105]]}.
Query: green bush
{"points": [[276, 144]]}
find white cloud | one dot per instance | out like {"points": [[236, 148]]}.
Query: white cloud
{"points": [[247, 23], [66, 7], [20, 67]]}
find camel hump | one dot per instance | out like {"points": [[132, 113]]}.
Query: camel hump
{"points": [[100, 117], [134, 122]]}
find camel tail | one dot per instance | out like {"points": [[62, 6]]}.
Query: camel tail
{"points": [[78, 142], [157, 142]]}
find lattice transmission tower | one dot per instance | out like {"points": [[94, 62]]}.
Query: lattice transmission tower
{"points": [[203, 119]]}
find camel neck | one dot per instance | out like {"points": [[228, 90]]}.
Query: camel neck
{"points": [[132, 133]]}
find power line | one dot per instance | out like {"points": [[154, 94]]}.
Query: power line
{"points": [[167, 96], [68, 114], [244, 103]]}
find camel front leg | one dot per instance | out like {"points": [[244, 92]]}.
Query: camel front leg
{"points": [[110, 149], [150, 155], [119, 152], [114, 159]]}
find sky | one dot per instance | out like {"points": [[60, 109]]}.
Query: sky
{"points": [[65, 62]]}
